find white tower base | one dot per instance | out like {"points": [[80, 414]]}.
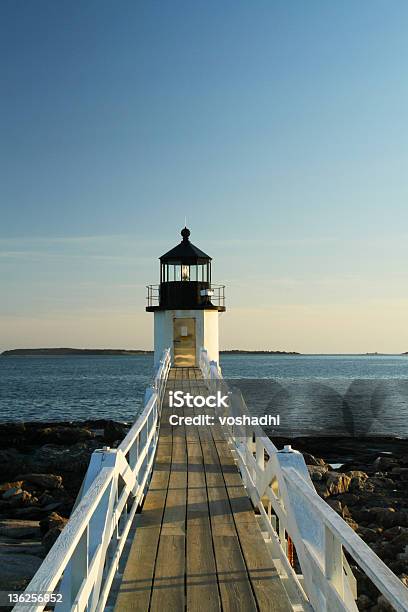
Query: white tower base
{"points": [[186, 338]]}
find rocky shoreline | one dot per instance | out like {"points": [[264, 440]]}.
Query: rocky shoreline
{"points": [[42, 468], [43, 465]]}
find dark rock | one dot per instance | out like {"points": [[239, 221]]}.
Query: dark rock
{"points": [[364, 602], [53, 506], [400, 472], [385, 464], [17, 570], [385, 517], [30, 512], [17, 529], [23, 498], [312, 460], [52, 520], [44, 481], [10, 485], [381, 482], [45, 499], [114, 431], [351, 522], [339, 507], [59, 434], [393, 532], [350, 499], [51, 537], [12, 461], [52, 458], [321, 488], [358, 480], [317, 472], [11, 492], [337, 483], [368, 535]]}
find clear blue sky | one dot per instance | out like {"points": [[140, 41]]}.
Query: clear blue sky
{"points": [[279, 128]]}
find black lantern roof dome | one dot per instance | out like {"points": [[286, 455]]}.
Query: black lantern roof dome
{"points": [[185, 252]]}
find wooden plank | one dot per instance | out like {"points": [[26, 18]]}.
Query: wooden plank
{"points": [[264, 578], [201, 575], [168, 591], [233, 581]]}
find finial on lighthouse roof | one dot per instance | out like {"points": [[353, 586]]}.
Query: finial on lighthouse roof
{"points": [[185, 252], [185, 232]]}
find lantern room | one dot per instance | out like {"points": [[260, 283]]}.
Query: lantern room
{"points": [[185, 280]]}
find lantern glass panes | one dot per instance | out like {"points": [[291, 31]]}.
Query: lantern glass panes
{"points": [[185, 273]]}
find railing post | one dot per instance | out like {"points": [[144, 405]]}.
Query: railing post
{"points": [[260, 455], [333, 561]]}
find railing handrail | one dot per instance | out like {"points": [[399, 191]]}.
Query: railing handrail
{"points": [[59, 556], [133, 463], [381, 575], [153, 292], [317, 531]]}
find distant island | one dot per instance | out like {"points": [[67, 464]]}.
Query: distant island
{"points": [[71, 351], [244, 352], [76, 351]]}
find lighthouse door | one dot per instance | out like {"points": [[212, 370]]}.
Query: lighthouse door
{"points": [[184, 338]]}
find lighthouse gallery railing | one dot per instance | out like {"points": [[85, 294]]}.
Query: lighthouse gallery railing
{"points": [[292, 512], [82, 563]]}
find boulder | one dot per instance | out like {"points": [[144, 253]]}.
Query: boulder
{"points": [[394, 532], [382, 482], [358, 480], [12, 461], [61, 434], [52, 520], [5, 486], [312, 460], [337, 483], [364, 602], [367, 534], [384, 517], [385, 464], [114, 431], [350, 499], [401, 473], [317, 472], [11, 492], [321, 488], [52, 458], [51, 537], [351, 522], [16, 529], [30, 512], [22, 499], [44, 481]]}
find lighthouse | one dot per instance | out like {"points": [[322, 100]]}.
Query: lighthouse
{"points": [[186, 305]]}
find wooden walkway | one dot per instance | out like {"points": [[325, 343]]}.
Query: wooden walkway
{"points": [[198, 545]]}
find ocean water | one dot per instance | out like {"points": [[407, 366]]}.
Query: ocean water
{"points": [[359, 394]]}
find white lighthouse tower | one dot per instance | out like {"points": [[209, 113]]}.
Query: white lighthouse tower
{"points": [[186, 305]]}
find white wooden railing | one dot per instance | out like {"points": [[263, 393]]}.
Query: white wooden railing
{"points": [[82, 563], [294, 515]]}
